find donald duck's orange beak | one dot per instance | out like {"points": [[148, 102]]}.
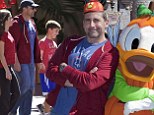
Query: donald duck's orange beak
{"points": [[136, 64]]}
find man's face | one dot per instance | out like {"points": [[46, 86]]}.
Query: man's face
{"points": [[94, 24], [30, 11]]}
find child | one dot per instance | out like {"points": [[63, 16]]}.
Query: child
{"points": [[48, 47]]}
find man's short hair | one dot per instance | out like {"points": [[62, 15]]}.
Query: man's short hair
{"points": [[25, 3], [52, 24]]}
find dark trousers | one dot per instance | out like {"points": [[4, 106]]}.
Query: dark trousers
{"points": [[9, 91]]}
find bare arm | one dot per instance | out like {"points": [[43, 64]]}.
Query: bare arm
{"points": [[3, 61], [42, 66]]}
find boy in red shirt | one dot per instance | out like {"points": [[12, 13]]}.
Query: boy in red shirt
{"points": [[48, 46]]}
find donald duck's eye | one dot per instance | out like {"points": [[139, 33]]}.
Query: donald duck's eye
{"points": [[135, 43], [152, 48], [130, 38]]}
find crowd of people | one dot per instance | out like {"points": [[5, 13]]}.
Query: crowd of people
{"points": [[76, 77]]}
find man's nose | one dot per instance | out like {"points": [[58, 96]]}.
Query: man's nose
{"points": [[92, 24]]}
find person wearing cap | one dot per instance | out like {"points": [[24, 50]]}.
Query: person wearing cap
{"points": [[83, 68], [28, 54], [48, 47]]}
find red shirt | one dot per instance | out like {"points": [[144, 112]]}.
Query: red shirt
{"points": [[9, 48], [48, 47]]}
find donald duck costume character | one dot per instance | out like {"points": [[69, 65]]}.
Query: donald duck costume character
{"points": [[133, 92]]}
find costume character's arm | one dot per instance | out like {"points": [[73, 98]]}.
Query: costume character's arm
{"points": [[126, 93]]}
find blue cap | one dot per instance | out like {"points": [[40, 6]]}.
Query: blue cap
{"points": [[25, 3]]}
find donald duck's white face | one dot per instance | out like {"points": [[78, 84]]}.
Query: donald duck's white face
{"points": [[136, 47], [134, 37]]}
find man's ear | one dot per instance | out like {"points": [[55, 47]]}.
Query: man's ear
{"points": [[107, 23]]}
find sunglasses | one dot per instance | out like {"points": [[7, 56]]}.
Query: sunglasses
{"points": [[31, 7]]}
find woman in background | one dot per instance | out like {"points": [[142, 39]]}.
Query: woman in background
{"points": [[9, 90]]}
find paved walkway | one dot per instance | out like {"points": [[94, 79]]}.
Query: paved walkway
{"points": [[36, 100]]}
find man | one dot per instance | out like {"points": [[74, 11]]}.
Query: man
{"points": [[28, 54], [88, 64]]}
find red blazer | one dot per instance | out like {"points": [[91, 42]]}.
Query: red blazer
{"points": [[92, 87], [20, 35]]}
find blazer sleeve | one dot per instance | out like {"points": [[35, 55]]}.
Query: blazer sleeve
{"points": [[15, 32], [37, 55], [53, 66], [86, 81]]}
